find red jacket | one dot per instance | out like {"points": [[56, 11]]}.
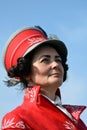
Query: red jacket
{"points": [[38, 113]]}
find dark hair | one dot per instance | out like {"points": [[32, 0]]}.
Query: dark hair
{"points": [[23, 68]]}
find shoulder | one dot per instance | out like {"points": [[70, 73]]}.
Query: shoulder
{"points": [[76, 111], [12, 120]]}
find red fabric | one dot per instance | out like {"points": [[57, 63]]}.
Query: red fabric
{"points": [[19, 43], [38, 113]]}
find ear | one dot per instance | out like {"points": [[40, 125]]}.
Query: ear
{"points": [[29, 80]]}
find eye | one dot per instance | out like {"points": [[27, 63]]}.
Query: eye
{"points": [[59, 60], [45, 60]]}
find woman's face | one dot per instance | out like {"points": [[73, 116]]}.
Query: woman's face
{"points": [[47, 69]]}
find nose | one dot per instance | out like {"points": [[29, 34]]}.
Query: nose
{"points": [[54, 64]]}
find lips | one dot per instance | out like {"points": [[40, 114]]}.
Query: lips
{"points": [[55, 74]]}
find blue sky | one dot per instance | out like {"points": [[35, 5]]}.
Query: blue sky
{"points": [[65, 18]]}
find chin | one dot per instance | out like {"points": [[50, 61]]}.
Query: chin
{"points": [[57, 83]]}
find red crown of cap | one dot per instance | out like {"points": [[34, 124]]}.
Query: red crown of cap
{"points": [[20, 43]]}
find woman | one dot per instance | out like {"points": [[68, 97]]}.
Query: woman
{"points": [[39, 63]]}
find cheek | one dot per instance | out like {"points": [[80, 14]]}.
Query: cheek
{"points": [[62, 70], [39, 73], [39, 77]]}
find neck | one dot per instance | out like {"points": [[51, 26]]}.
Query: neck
{"points": [[49, 93]]}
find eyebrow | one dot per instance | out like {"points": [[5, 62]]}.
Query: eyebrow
{"points": [[57, 56]]}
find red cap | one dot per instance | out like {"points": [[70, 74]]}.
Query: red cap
{"points": [[24, 41]]}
